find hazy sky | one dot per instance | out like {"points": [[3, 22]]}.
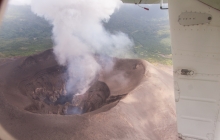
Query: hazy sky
{"points": [[19, 2]]}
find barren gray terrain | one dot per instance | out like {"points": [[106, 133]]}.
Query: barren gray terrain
{"points": [[132, 101]]}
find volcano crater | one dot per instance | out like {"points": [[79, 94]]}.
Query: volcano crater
{"points": [[47, 92], [38, 85]]}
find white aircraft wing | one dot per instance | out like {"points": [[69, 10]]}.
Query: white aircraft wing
{"points": [[144, 1], [195, 39]]}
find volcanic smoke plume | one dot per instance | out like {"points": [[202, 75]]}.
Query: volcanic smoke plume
{"points": [[78, 34]]}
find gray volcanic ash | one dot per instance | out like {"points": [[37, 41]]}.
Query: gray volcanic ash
{"points": [[133, 100], [81, 96], [43, 82]]}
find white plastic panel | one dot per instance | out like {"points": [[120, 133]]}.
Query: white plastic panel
{"points": [[197, 108], [196, 48], [213, 3], [217, 134]]}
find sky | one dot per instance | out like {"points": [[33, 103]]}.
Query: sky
{"points": [[20, 2], [27, 2]]}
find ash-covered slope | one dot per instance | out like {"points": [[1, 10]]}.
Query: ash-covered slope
{"points": [[133, 100]]}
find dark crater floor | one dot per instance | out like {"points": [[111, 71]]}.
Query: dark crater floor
{"points": [[46, 90]]}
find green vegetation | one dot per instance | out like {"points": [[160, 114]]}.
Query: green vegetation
{"points": [[148, 29], [22, 33]]}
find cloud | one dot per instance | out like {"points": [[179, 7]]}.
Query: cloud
{"points": [[20, 2]]}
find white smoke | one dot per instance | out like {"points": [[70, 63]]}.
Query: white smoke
{"points": [[78, 34]]}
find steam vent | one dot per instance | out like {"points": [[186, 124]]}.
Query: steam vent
{"points": [[42, 82], [129, 99], [48, 92]]}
